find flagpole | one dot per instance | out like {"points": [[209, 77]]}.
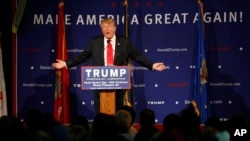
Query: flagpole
{"points": [[126, 34], [18, 15], [202, 13]]}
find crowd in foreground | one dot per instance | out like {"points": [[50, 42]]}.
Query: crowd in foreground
{"points": [[184, 126]]}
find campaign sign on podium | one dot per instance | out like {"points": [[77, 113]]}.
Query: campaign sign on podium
{"points": [[105, 77]]}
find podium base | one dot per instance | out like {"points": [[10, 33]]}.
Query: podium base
{"points": [[107, 102]]}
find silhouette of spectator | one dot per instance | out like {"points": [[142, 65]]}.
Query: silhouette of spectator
{"points": [[81, 120], [78, 133], [208, 134], [211, 128], [171, 129], [147, 125], [104, 127], [37, 135], [38, 123], [190, 125], [124, 120], [223, 134], [47, 122], [131, 110], [33, 120], [215, 130], [213, 122], [59, 132], [11, 128]]}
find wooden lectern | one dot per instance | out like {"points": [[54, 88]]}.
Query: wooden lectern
{"points": [[107, 102], [106, 79]]}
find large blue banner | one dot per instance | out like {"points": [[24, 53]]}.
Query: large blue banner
{"points": [[163, 30]]}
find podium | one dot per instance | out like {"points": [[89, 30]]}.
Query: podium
{"points": [[107, 79], [107, 102]]}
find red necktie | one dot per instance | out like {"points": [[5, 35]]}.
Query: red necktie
{"points": [[110, 58]]}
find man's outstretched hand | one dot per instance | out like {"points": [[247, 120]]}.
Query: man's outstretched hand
{"points": [[159, 66], [59, 64]]}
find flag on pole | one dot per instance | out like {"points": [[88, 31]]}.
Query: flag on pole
{"points": [[3, 100], [62, 98], [201, 99]]}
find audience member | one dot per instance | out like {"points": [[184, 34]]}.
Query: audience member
{"points": [[33, 120], [78, 133], [190, 125], [11, 128], [37, 135], [209, 134], [171, 129], [211, 128], [223, 134], [104, 127], [147, 125], [124, 120], [81, 120], [59, 132], [132, 131], [48, 122]]}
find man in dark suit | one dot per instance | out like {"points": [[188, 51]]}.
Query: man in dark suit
{"points": [[122, 51]]}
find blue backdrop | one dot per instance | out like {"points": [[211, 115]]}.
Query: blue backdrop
{"points": [[163, 30]]}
